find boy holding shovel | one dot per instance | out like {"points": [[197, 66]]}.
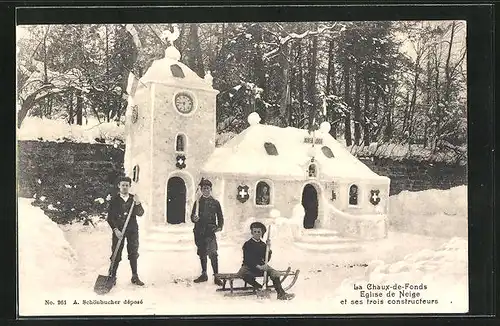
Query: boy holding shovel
{"points": [[255, 264], [119, 207]]}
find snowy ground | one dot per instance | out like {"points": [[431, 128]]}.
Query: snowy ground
{"points": [[62, 263]]}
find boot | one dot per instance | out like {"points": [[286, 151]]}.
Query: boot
{"points": [[286, 296], [282, 295], [217, 281], [215, 267], [135, 278], [202, 278]]}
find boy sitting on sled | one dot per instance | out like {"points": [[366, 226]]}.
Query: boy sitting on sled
{"points": [[254, 253]]}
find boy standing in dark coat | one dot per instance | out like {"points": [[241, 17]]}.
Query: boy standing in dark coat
{"points": [[118, 209], [207, 218], [254, 254]]}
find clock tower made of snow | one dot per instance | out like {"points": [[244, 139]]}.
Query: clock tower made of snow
{"points": [[170, 134]]}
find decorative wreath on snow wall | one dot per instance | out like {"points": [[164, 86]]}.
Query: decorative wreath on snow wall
{"points": [[180, 161], [374, 197], [242, 194]]}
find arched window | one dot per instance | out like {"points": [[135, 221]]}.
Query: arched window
{"points": [[312, 171], [177, 71], [135, 173], [180, 143], [263, 193], [327, 151], [353, 195], [270, 149]]}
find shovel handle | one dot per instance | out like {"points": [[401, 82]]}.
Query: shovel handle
{"points": [[267, 255], [115, 253]]}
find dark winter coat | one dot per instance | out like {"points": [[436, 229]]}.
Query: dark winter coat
{"points": [[210, 214], [118, 211], [254, 253]]}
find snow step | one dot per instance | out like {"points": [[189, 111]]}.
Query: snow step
{"points": [[183, 228], [326, 239], [170, 247], [166, 237], [168, 240], [320, 232], [328, 247]]}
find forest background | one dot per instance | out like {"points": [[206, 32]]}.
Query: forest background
{"points": [[384, 82]]}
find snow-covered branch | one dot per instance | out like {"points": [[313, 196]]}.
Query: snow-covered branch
{"points": [[294, 36]]}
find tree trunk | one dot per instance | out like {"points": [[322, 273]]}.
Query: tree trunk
{"points": [[330, 86], [329, 77], [447, 85], [406, 112], [366, 114], [195, 59], [301, 87], [347, 96], [179, 42], [79, 108], [389, 102], [357, 110], [285, 67], [374, 115], [293, 89], [258, 63], [413, 100], [428, 101], [437, 104], [71, 116], [312, 82], [31, 101]]}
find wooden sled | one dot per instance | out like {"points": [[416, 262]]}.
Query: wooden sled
{"points": [[249, 290]]}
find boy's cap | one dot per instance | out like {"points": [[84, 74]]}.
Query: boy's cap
{"points": [[258, 225], [124, 178], [205, 182]]}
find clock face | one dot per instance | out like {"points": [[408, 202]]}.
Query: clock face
{"points": [[184, 103]]}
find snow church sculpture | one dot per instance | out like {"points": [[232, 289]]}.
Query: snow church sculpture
{"points": [[267, 167], [171, 145]]}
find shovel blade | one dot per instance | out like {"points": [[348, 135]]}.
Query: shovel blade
{"points": [[104, 284]]}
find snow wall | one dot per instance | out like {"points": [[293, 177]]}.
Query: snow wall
{"points": [[439, 213], [40, 241]]}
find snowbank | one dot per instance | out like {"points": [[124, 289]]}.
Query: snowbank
{"points": [[440, 275], [432, 212], [45, 257], [34, 128]]}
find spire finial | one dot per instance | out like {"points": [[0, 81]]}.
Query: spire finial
{"points": [[170, 37]]}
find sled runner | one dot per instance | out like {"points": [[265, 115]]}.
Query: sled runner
{"points": [[249, 290]]}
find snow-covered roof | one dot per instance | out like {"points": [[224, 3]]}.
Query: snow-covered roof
{"points": [[169, 70], [246, 154]]}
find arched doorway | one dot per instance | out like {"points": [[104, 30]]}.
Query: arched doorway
{"points": [[310, 204], [176, 201]]}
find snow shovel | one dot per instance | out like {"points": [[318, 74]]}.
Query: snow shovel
{"points": [[266, 292], [105, 283]]}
